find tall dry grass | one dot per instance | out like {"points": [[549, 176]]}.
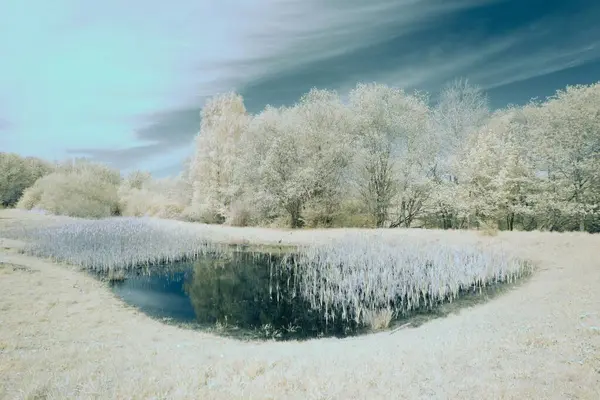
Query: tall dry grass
{"points": [[358, 276], [114, 243]]}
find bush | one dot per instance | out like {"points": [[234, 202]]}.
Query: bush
{"points": [[203, 213], [140, 195], [352, 214], [84, 191], [143, 202], [239, 214]]}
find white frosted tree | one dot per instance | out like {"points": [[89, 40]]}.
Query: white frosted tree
{"points": [[569, 146], [213, 165], [297, 154], [461, 110], [517, 181], [282, 172], [496, 170], [392, 131], [326, 132], [136, 179]]}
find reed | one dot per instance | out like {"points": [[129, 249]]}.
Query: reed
{"points": [[368, 279], [116, 243]]}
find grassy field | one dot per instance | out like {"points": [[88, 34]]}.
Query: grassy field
{"points": [[64, 335]]}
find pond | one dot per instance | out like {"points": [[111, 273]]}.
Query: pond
{"points": [[248, 295], [239, 293]]}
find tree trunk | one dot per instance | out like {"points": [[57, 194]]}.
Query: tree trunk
{"points": [[510, 221], [446, 220], [293, 209], [380, 217]]}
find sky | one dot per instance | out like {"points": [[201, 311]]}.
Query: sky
{"points": [[123, 82]]}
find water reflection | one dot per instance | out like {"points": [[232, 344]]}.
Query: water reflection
{"points": [[241, 294]]}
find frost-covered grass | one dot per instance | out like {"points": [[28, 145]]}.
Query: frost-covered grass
{"points": [[115, 243], [368, 279]]}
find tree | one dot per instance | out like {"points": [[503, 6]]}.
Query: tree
{"points": [[326, 131], [569, 145], [136, 179], [224, 119], [516, 180], [391, 129], [17, 174], [296, 154], [462, 109], [496, 171]]}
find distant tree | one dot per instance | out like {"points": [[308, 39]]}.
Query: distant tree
{"points": [[461, 109], [17, 174], [326, 132], [136, 179]]}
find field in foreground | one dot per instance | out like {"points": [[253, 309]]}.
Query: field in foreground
{"points": [[64, 335]]}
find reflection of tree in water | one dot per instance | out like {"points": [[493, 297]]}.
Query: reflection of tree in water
{"points": [[235, 289]]}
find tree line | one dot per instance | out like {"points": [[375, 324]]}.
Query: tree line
{"points": [[378, 157]]}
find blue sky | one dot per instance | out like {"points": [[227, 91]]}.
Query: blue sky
{"points": [[123, 81]]}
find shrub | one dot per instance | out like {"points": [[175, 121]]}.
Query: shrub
{"points": [[353, 215], [148, 203], [84, 191], [140, 195], [239, 214], [378, 319], [204, 213], [489, 228]]}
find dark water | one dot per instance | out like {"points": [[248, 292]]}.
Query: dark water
{"points": [[242, 294]]}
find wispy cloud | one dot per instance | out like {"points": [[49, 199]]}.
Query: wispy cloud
{"points": [[552, 43], [123, 82]]}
